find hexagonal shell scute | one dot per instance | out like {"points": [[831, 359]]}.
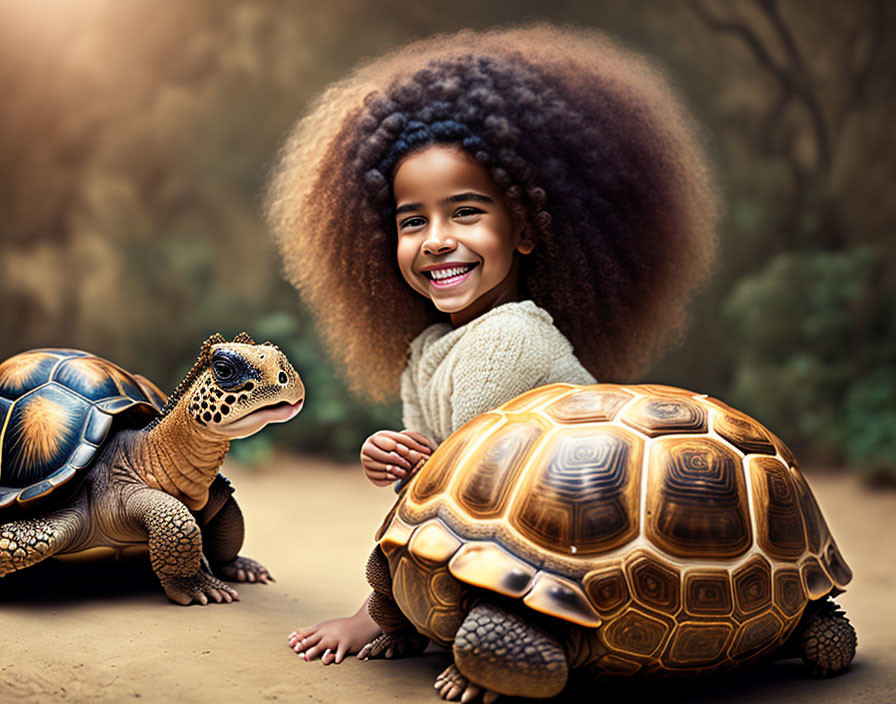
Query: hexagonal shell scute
{"points": [[743, 432], [697, 644], [655, 583], [606, 588], [665, 415], [42, 430], [434, 476], [779, 524], [817, 532], [697, 499], [707, 592], [816, 581], [490, 472], [581, 495], [635, 632], [429, 596], [534, 398], [615, 665], [752, 584], [94, 377], [25, 372], [756, 635], [790, 597], [590, 404]]}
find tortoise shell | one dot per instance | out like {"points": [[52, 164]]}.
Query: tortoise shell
{"points": [[675, 531], [56, 409]]}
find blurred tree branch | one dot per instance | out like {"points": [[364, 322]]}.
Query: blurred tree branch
{"points": [[775, 47], [867, 39]]}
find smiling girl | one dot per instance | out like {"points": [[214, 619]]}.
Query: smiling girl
{"points": [[476, 215]]}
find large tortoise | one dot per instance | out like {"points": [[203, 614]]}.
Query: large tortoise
{"points": [[95, 461], [630, 530]]}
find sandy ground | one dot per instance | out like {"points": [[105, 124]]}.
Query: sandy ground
{"points": [[94, 633]]}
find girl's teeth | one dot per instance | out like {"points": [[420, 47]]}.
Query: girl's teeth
{"points": [[439, 274]]}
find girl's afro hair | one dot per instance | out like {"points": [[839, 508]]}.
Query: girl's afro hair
{"points": [[592, 150]]}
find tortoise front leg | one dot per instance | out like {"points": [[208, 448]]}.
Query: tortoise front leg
{"points": [[498, 652], [399, 636], [221, 522], [175, 548], [27, 541]]}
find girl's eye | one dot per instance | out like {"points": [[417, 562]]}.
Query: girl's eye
{"points": [[467, 212], [409, 223]]}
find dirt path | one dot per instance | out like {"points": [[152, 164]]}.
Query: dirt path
{"points": [[100, 634]]}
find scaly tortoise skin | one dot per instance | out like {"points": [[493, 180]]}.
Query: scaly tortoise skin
{"points": [[648, 529], [96, 462]]}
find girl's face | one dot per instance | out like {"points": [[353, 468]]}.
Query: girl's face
{"points": [[458, 243]]}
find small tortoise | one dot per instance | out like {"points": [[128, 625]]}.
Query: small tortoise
{"points": [[96, 462], [624, 529]]}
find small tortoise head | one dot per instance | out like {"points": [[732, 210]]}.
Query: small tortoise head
{"points": [[236, 388]]}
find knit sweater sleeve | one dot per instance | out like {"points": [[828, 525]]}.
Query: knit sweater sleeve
{"points": [[504, 357], [411, 414]]}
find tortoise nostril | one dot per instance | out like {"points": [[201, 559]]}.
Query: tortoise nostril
{"points": [[283, 378]]}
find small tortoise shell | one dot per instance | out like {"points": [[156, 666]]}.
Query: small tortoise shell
{"points": [[56, 409]]}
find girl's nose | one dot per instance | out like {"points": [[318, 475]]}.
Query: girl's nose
{"points": [[438, 242]]}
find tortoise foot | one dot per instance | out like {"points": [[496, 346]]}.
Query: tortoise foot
{"points": [[244, 569], [28, 541], [394, 645], [499, 650], [200, 587], [452, 685], [828, 641]]}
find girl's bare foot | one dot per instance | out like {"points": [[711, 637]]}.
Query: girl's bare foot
{"points": [[334, 639]]}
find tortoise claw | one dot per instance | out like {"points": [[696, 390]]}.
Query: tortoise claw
{"points": [[200, 587], [453, 685], [244, 569], [394, 645]]}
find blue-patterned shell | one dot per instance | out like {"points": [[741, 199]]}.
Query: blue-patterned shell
{"points": [[56, 409]]}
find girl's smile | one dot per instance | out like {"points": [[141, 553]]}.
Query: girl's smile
{"points": [[443, 276], [458, 243]]}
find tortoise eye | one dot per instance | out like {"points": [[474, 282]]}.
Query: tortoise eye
{"points": [[223, 370], [230, 370]]}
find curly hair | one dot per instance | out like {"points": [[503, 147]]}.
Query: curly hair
{"points": [[588, 143]]}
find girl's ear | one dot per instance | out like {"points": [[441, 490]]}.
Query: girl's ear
{"points": [[527, 241]]}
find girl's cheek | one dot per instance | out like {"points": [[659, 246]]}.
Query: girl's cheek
{"points": [[406, 267]]}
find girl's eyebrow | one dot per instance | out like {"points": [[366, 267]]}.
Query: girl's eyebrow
{"points": [[408, 208], [456, 198], [461, 197]]}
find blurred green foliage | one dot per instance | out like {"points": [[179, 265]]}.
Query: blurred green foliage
{"points": [[867, 434], [805, 360]]}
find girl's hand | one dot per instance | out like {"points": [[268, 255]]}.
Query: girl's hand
{"points": [[387, 456]]}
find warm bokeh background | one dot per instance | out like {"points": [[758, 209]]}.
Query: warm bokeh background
{"points": [[135, 138]]}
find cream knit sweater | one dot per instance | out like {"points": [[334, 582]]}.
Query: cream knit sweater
{"points": [[454, 374]]}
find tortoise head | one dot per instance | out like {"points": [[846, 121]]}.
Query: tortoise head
{"points": [[236, 388]]}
